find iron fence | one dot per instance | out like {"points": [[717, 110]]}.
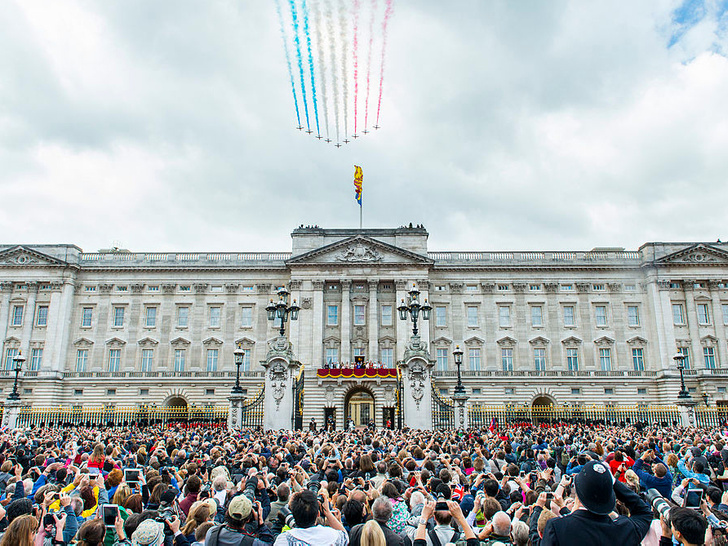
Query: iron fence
{"points": [[253, 411], [443, 411]]}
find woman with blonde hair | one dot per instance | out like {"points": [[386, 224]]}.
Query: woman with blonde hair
{"points": [[372, 534], [123, 491], [199, 513], [21, 532]]}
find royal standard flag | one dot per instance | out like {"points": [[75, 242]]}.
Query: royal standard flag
{"points": [[358, 180]]}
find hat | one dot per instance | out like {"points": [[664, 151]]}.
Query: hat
{"points": [[168, 496], [149, 533], [240, 507], [594, 487]]}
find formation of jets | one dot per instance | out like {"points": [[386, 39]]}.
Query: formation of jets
{"points": [[328, 140]]}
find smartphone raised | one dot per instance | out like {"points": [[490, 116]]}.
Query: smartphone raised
{"points": [[131, 475], [693, 498], [109, 513]]}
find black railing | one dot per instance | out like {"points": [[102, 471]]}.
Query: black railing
{"points": [[443, 411]]}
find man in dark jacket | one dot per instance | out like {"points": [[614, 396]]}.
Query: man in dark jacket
{"points": [[590, 522], [382, 511], [660, 479]]}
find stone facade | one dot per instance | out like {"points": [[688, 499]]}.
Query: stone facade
{"points": [[125, 328]]}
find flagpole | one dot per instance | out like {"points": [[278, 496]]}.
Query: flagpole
{"points": [[360, 216]]}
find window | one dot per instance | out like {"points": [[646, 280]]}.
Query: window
{"points": [[183, 317], [474, 358], [209, 392], [41, 316], [89, 288], [703, 314], [10, 355], [641, 391], [569, 319], [440, 317], [539, 359], [575, 391], [150, 320], [118, 317], [358, 351], [725, 313], [110, 392], [121, 288], [638, 359], [77, 392], [386, 315], [246, 317], [676, 285], [567, 287], [678, 314], [630, 287], [154, 288], [471, 288], [709, 358], [388, 358], [633, 315], [215, 314], [218, 288], [536, 315], [179, 360], [504, 316], [360, 315], [212, 360], [185, 288], [441, 360], [598, 287], [81, 360], [332, 315], [143, 392], [534, 287], [608, 390], [87, 314], [472, 316], [507, 359], [686, 361], [114, 360], [17, 315], [605, 359], [332, 356], [246, 360], [247, 288], [509, 391], [36, 357], [147, 359], [722, 390], [502, 288], [572, 359], [600, 315], [476, 390]]}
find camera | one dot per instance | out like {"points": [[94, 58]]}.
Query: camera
{"points": [[441, 504], [659, 503], [251, 488], [286, 518], [314, 486]]}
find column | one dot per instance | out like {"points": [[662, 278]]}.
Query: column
{"points": [[50, 353], [721, 356], [345, 321], [294, 327], [63, 327], [6, 289], [402, 326], [373, 352], [317, 334], [28, 320], [424, 325]]}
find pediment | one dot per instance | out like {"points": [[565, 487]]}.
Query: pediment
{"points": [[20, 256], [147, 341], [359, 250], [387, 339], [83, 342], [115, 341], [12, 340], [697, 254], [212, 341], [571, 340], [539, 340], [507, 341], [442, 341], [244, 342], [708, 339], [474, 340], [180, 341], [637, 340], [604, 340]]}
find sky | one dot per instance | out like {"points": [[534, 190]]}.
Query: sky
{"points": [[169, 125]]}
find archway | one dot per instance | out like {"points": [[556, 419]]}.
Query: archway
{"points": [[542, 408], [176, 402], [359, 406], [543, 401]]}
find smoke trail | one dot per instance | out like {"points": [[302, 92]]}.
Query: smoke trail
{"points": [[356, 60], [294, 14], [387, 15], [322, 62], [369, 62], [344, 64], [307, 33], [334, 78], [288, 60]]}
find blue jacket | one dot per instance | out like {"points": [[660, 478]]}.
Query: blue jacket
{"points": [[702, 478], [663, 485]]}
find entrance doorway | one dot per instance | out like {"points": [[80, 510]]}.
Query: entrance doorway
{"points": [[388, 417], [359, 406], [542, 409], [330, 418], [177, 403]]}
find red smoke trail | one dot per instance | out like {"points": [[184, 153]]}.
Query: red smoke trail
{"points": [[369, 62], [356, 60], [387, 15]]}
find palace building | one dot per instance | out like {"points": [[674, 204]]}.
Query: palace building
{"points": [[119, 328]]}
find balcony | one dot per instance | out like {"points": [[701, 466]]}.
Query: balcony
{"points": [[548, 373]]}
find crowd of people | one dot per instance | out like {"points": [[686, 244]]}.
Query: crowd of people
{"points": [[561, 484]]}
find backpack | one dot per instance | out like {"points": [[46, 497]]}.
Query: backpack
{"points": [[214, 537], [436, 541]]}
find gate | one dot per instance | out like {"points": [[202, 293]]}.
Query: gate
{"points": [[298, 391], [443, 411], [399, 407], [252, 412]]}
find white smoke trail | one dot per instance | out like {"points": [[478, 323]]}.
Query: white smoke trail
{"points": [[344, 35], [315, 4], [332, 47]]}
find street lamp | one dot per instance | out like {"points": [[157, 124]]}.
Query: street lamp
{"points": [[239, 356], [458, 356], [412, 309], [281, 310], [679, 359], [706, 398], [19, 361]]}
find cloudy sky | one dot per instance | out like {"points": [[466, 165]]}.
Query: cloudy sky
{"points": [[169, 125]]}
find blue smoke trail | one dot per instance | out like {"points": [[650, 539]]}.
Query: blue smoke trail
{"points": [[304, 9], [294, 14], [288, 61]]}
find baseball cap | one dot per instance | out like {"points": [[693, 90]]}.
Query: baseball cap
{"points": [[240, 507], [595, 488], [149, 533]]}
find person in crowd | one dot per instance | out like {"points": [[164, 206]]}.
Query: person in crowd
{"points": [[381, 513], [305, 507]]}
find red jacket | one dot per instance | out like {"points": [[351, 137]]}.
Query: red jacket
{"points": [[614, 466]]}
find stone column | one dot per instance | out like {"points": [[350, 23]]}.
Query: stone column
{"points": [[403, 327], [11, 413], [417, 385], [424, 325], [373, 352], [6, 289], [235, 413], [281, 370], [63, 327], [461, 410], [345, 321], [317, 336], [28, 320], [687, 411]]}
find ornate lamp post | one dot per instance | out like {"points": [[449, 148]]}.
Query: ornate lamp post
{"points": [[239, 356], [679, 359], [458, 356], [282, 310], [412, 309], [19, 361]]}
